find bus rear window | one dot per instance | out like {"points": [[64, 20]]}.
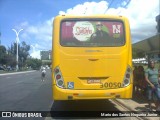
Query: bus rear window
{"points": [[89, 33]]}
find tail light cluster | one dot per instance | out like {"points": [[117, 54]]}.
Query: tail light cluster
{"points": [[127, 76], [58, 77]]}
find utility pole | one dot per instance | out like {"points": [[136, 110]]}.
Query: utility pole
{"points": [[17, 39]]}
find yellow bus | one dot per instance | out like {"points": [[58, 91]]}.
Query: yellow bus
{"points": [[92, 57]]}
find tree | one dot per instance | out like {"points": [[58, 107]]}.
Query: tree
{"points": [[10, 60], [2, 54], [23, 53], [137, 53], [34, 63]]}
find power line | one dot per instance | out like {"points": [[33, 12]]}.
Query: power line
{"points": [[125, 6], [109, 6], [120, 2], [127, 3], [85, 10]]}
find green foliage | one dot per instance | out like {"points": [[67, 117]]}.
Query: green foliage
{"points": [[23, 53], [137, 53], [2, 55], [34, 63], [10, 60], [8, 56]]}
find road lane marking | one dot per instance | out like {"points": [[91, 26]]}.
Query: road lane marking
{"points": [[17, 73]]}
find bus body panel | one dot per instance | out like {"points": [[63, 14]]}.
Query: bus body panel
{"points": [[96, 72], [67, 94]]}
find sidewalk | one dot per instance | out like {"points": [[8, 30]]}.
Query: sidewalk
{"points": [[3, 74], [138, 103]]}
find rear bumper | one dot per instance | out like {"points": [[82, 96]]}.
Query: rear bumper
{"points": [[70, 94]]}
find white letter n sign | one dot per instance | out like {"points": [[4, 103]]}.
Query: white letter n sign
{"points": [[116, 28]]}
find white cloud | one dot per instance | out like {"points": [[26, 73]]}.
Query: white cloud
{"points": [[41, 31], [141, 14], [39, 36], [88, 8], [35, 50], [36, 54]]}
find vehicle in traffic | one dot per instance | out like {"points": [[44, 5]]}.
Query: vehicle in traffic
{"points": [[9, 68], [91, 57], [2, 68]]}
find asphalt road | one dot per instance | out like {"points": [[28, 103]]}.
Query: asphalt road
{"points": [[26, 92]]}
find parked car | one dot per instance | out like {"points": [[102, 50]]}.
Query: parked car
{"points": [[9, 68], [2, 68]]}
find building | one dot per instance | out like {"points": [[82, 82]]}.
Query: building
{"points": [[46, 57], [151, 47]]}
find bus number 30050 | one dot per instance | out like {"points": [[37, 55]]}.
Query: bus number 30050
{"points": [[111, 85]]}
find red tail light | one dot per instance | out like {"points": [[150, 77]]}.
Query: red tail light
{"points": [[58, 76], [127, 76], [56, 70]]}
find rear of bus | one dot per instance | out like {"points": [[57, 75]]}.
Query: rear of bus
{"points": [[92, 58]]}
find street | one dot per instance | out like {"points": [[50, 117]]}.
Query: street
{"points": [[26, 92]]}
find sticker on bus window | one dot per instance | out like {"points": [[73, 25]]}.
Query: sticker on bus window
{"points": [[70, 85], [116, 28], [116, 31], [92, 33], [82, 31]]}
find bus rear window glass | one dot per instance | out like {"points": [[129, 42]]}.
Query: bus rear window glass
{"points": [[92, 33]]}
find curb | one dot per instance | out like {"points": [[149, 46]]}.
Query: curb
{"points": [[120, 101]]}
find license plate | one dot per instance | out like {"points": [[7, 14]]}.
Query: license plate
{"points": [[93, 81]]}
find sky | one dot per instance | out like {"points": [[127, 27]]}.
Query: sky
{"points": [[35, 17]]}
